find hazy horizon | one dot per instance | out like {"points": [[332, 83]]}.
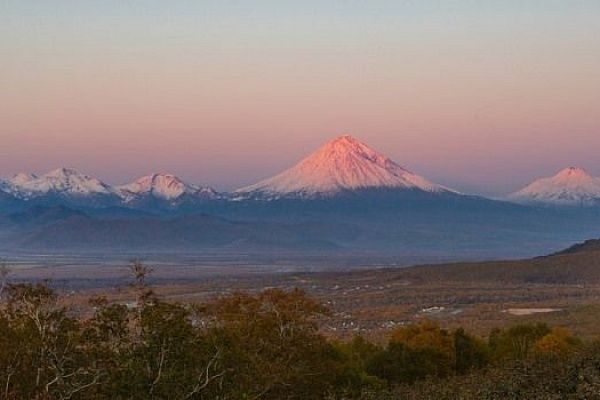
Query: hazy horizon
{"points": [[482, 97]]}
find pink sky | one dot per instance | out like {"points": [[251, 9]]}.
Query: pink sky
{"points": [[479, 98]]}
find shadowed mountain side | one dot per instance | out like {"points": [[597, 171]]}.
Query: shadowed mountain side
{"points": [[118, 213], [87, 202], [404, 221], [387, 221], [9, 203], [40, 216], [80, 233]]}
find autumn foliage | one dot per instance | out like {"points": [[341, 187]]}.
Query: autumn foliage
{"points": [[268, 346]]}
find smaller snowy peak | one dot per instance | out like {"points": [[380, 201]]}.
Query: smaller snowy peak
{"points": [[571, 186], [23, 178], [163, 186], [13, 184], [342, 164], [67, 181]]}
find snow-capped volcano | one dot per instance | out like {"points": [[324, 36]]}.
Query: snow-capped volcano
{"points": [[164, 187], [571, 186], [62, 181], [342, 164]]}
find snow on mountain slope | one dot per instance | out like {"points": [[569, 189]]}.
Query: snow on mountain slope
{"points": [[164, 187], [571, 186], [66, 181], [342, 164], [22, 178]]}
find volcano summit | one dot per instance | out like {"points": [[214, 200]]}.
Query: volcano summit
{"points": [[342, 164]]}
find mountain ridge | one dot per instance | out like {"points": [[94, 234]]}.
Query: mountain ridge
{"points": [[342, 167], [68, 186]]}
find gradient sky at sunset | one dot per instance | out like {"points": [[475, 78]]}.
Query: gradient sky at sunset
{"points": [[479, 95]]}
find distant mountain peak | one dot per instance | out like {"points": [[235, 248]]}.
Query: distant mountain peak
{"points": [[344, 163], [570, 186], [59, 181], [22, 177], [573, 173], [164, 186]]}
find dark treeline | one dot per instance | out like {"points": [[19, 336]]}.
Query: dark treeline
{"points": [[268, 346]]}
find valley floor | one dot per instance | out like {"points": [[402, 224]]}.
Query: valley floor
{"points": [[366, 295]]}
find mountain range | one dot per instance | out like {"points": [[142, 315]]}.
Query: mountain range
{"points": [[342, 166], [343, 197], [67, 185]]}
